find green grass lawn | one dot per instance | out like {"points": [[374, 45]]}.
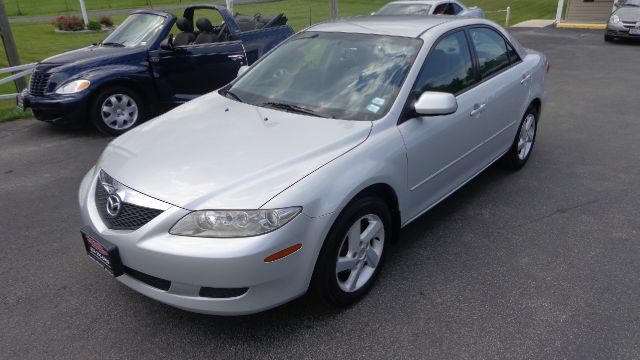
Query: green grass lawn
{"points": [[37, 41]]}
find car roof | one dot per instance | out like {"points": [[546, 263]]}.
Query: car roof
{"points": [[403, 25]]}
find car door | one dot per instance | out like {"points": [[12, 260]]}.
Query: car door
{"points": [[506, 79], [188, 71], [442, 150]]}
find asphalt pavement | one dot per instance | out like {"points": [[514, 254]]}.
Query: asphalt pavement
{"points": [[543, 263]]}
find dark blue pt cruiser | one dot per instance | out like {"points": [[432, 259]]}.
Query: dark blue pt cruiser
{"points": [[141, 70]]}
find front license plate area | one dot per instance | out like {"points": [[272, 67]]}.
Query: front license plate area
{"points": [[634, 31], [102, 252]]}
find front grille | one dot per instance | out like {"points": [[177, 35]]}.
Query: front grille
{"points": [[39, 82], [130, 216], [153, 281]]}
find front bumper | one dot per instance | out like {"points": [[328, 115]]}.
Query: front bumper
{"points": [[191, 264], [59, 109], [620, 31]]}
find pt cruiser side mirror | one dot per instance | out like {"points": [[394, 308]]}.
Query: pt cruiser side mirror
{"points": [[436, 103], [243, 69]]}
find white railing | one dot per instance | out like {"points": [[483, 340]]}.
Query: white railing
{"points": [[24, 70], [507, 12]]}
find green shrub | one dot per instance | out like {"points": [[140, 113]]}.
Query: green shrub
{"points": [[94, 25], [106, 21]]}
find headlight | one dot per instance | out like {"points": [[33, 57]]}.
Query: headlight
{"points": [[614, 19], [73, 87], [233, 223]]}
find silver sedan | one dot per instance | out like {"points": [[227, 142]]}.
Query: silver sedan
{"points": [[300, 174]]}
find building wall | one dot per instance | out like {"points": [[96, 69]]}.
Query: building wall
{"points": [[596, 10]]}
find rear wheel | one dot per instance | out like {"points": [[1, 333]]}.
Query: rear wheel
{"points": [[353, 252], [117, 109], [522, 145]]}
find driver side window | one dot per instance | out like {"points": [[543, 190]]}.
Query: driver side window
{"points": [[449, 67]]}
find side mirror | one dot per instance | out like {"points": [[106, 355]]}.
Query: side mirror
{"points": [[436, 103], [167, 44], [243, 69]]}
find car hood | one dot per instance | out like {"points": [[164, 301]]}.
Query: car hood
{"points": [[628, 13], [215, 153], [94, 56]]}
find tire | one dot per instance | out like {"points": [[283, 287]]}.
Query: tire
{"points": [[120, 100], [525, 138], [368, 214], [608, 38]]}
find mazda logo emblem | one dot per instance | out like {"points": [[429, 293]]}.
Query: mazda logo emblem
{"points": [[113, 205]]}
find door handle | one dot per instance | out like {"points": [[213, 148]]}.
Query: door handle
{"points": [[477, 109], [236, 57], [525, 79]]}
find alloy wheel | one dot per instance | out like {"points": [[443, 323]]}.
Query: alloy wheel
{"points": [[360, 253], [527, 135]]}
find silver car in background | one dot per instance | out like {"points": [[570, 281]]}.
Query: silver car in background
{"points": [[429, 7], [624, 22], [300, 174]]}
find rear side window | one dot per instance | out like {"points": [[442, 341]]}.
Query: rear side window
{"points": [[449, 67], [456, 8], [491, 49], [444, 9]]}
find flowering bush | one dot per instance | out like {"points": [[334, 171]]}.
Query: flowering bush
{"points": [[68, 23]]}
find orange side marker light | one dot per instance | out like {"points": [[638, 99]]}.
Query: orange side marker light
{"points": [[283, 253]]}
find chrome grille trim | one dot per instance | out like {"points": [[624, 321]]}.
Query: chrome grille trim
{"points": [[136, 209]]}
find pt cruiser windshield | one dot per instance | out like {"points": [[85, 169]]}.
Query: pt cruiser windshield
{"points": [[333, 75], [136, 30]]}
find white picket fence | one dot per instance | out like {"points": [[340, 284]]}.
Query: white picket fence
{"points": [[23, 70], [507, 12]]}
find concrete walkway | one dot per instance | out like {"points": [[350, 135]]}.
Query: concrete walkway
{"points": [[110, 12]]}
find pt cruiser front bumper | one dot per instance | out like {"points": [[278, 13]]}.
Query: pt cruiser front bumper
{"points": [[222, 276]]}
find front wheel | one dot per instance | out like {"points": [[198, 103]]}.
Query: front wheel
{"points": [[352, 254], [608, 38], [117, 109], [522, 145]]}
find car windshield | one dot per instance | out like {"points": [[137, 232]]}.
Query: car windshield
{"points": [[404, 9], [136, 30], [333, 75]]}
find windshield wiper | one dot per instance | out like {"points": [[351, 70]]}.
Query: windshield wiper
{"points": [[112, 44], [292, 108], [228, 93]]}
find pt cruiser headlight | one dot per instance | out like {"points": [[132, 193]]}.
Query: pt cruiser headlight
{"points": [[233, 223], [614, 19], [73, 87]]}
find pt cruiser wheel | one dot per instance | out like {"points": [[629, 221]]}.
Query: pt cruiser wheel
{"points": [[116, 110], [353, 252]]}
